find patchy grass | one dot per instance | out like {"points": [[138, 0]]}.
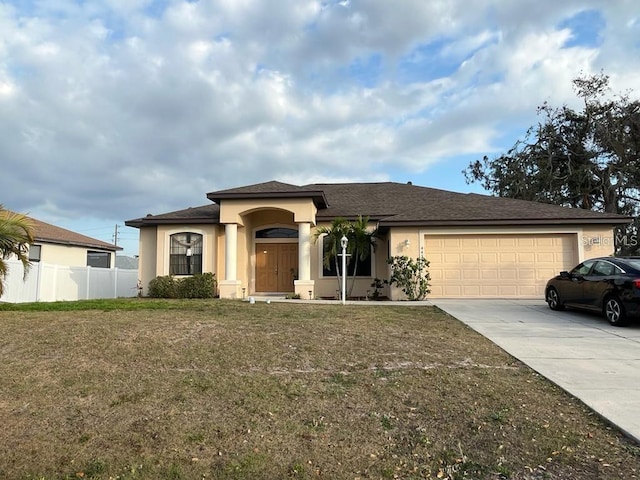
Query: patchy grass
{"points": [[139, 389], [107, 304]]}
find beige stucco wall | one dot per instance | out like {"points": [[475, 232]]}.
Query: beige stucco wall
{"points": [[597, 242], [155, 249], [163, 245], [147, 264], [237, 211], [403, 241], [67, 255], [64, 255], [398, 238]]}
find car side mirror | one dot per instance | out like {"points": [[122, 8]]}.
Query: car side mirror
{"points": [[565, 274]]}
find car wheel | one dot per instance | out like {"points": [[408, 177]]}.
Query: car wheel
{"points": [[614, 312], [553, 299]]}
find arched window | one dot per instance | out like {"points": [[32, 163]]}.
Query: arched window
{"points": [[277, 232], [186, 254]]}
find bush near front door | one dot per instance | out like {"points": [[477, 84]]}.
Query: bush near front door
{"points": [[202, 285]]}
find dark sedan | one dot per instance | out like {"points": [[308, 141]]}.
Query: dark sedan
{"points": [[609, 285]]}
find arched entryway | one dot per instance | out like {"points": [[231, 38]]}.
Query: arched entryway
{"points": [[276, 267]]}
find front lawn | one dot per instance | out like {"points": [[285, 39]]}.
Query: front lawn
{"points": [[139, 389]]}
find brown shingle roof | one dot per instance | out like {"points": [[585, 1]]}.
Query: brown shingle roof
{"points": [[394, 204], [406, 204], [266, 187], [47, 233], [271, 189], [198, 215]]}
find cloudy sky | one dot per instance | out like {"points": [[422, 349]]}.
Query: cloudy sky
{"points": [[112, 109]]}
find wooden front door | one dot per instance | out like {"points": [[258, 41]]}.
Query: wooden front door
{"points": [[276, 266]]}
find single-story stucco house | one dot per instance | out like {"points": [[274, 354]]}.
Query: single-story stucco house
{"points": [[58, 246], [259, 239]]}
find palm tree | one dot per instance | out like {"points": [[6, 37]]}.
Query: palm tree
{"points": [[339, 227], [361, 241], [16, 234]]}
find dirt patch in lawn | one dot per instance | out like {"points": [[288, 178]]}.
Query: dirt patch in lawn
{"points": [[219, 389]]}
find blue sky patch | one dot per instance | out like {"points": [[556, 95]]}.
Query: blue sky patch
{"points": [[427, 62], [585, 27], [439, 58], [366, 71], [156, 8]]}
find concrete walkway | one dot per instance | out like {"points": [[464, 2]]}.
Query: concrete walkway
{"points": [[580, 352], [369, 303]]}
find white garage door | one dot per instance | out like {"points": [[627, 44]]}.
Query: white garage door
{"points": [[496, 266]]}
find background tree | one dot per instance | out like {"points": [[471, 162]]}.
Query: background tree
{"points": [[16, 234], [583, 159]]}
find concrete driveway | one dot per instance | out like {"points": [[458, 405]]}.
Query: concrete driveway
{"points": [[580, 352]]}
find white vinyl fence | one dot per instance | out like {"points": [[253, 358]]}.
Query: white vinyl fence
{"points": [[52, 283]]}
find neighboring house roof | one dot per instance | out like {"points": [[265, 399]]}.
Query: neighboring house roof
{"points": [[47, 233], [398, 204], [127, 263]]}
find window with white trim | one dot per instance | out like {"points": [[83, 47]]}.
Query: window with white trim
{"points": [[185, 257], [35, 251], [98, 259]]}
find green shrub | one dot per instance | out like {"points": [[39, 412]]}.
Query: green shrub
{"points": [[197, 286], [163, 287], [411, 276]]}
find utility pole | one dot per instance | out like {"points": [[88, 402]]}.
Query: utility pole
{"points": [[115, 236]]}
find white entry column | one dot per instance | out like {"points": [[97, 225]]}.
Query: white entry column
{"points": [[230, 286], [230, 251], [304, 286]]}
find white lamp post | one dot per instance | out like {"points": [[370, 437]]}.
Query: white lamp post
{"points": [[343, 243]]}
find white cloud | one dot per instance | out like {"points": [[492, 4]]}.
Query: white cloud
{"points": [[116, 108]]}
